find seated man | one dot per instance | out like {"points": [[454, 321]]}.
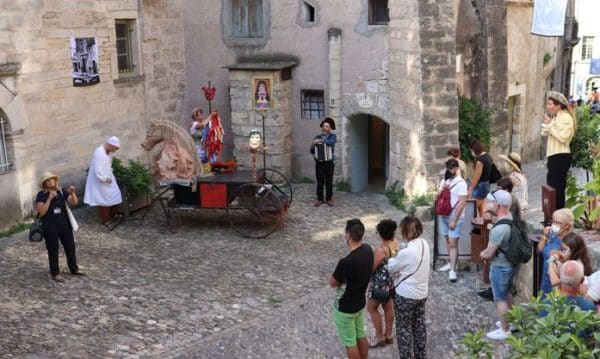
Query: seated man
{"points": [[571, 277]]}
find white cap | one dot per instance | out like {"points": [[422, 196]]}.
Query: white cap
{"points": [[113, 141], [501, 197]]}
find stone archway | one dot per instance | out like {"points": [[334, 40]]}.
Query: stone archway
{"points": [[369, 143]]}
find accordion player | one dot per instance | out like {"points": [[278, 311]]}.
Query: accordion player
{"points": [[323, 152]]}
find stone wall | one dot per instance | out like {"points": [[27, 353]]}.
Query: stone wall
{"points": [[244, 118], [55, 125]]}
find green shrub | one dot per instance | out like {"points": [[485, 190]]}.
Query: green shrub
{"points": [[342, 186], [19, 227], [582, 200], [473, 122], [587, 134], [560, 334], [475, 346], [407, 204], [135, 177]]}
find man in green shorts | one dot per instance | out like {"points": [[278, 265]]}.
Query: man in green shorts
{"points": [[351, 278]]}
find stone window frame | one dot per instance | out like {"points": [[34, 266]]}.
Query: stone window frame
{"points": [[587, 48], [6, 164], [372, 5], [127, 17], [319, 96], [227, 26]]}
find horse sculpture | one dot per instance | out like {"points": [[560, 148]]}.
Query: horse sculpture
{"points": [[177, 159]]}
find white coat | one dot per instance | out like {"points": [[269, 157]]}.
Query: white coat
{"points": [[97, 191]]}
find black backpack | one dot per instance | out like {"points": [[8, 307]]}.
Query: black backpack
{"points": [[519, 249]]}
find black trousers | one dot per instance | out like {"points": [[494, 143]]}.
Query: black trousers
{"points": [[324, 171], [59, 229], [558, 168]]}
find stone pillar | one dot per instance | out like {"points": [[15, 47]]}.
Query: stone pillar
{"points": [[245, 117], [334, 89]]}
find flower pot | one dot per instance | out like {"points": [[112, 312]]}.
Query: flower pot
{"points": [[131, 203]]}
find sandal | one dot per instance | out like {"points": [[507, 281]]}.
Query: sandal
{"points": [[107, 224], [82, 274], [58, 278], [389, 340], [380, 344]]}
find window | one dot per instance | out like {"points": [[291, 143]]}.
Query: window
{"points": [[379, 13], [5, 163], [247, 18], [313, 104], [586, 47], [309, 12], [125, 30]]}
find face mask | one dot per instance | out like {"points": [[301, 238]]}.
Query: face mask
{"points": [[555, 228]]}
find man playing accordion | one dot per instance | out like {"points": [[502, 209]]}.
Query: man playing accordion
{"points": [[322, 149]]}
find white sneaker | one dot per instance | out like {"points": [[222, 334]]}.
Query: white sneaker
{"points": [[510, 327], [498, 334], [452, 276], [445, 267]]}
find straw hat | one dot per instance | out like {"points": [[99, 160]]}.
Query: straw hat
{"points": [[514, 159], [46, 176]]}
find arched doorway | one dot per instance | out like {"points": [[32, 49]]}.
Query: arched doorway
{"points": [[369, 142]]}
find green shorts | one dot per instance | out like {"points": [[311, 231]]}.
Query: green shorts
{"points": [[351, 327]]}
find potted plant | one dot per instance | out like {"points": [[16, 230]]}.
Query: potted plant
{"points": [[135, 183]]}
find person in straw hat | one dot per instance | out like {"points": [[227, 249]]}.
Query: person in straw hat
{"points": [[517, 177], [101, 187], [559, 126], [51, 206], [323, 149]]}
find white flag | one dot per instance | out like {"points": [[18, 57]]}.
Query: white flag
{"points": [[549, 17]]}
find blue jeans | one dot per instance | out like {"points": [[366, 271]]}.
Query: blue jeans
{"points": [[500, 279], [481, 190]]}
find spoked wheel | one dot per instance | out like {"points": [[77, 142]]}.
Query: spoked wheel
{"points": [[254, 210], [279, 184]]}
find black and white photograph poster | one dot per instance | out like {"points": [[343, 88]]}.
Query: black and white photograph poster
{"points": [[84, 55]]}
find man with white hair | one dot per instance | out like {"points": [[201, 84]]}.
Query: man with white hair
{"points": [[501, 270], [571, 277], [101, 188]]}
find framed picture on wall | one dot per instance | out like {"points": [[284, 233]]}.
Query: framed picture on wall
{"points": [[84, 56], [262, 93]]}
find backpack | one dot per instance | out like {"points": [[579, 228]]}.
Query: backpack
{"points": [[442, 201], [519, 248], [495, 174]]}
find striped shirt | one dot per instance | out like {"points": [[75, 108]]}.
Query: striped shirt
{"points": [[560, 132]]}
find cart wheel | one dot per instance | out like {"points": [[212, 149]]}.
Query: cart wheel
{"points": [[254, 210], [280, 184]]}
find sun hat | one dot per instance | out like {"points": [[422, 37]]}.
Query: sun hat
{"points": [[513, 159], [46, 176], [114, 141]]}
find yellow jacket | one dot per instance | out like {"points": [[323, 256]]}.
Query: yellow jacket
{"points": [[560, 132]]}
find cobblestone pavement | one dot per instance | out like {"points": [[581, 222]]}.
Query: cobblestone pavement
{"points": [[204, 291]]}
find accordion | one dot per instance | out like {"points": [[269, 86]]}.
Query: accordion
{"points": [[323, 152]]}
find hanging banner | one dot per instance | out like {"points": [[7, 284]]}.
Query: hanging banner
{"points": [[84, 56], [595, 67], [549, 17]]}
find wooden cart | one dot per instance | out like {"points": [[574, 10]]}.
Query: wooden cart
{"points": [[254, 209]]}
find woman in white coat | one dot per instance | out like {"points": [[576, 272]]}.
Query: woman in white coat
{"points": [[101, 188]]}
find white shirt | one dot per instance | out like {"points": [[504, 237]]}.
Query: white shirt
{"points": [[97, 191], [458, 187], [406, 262]]}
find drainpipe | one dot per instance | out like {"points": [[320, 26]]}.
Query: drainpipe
{"points": [[334, 36]]}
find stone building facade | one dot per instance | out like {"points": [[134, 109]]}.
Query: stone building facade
{"points": [[387, 71], [51, 124], [389, 85]]}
